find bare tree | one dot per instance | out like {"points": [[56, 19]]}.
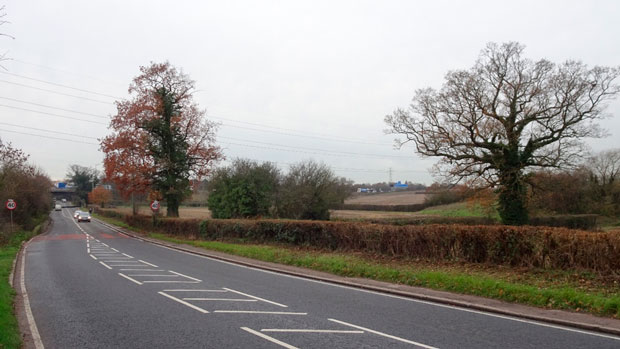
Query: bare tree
{"points": [[504, 115], [2, 21], [605, 167]]}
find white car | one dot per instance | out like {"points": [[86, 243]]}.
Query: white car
{"points": [[57, 207]]}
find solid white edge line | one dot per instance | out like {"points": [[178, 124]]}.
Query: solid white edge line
{"points": [[167, 275], [292, 330], [113, 249], [260, 299], [152, 265], [480, 312], [130, 269], [34, 331], [95, 258], [189, 277], [130, 279], [126, 255], [271, 339], [183, 302], [258, 312], [105, 265], [383, 334]]}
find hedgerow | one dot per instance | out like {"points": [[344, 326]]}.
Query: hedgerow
{"points": [[522, 246]]}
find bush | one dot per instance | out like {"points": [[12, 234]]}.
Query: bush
{"points": [[309, 190], [245, 189]]}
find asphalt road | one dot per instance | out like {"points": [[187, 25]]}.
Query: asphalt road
{"points": [[91, 287]]}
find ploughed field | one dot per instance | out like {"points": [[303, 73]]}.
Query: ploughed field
{"points": [[392, 198]]}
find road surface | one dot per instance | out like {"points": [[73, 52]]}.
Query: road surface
{"points": [[91, 287]]}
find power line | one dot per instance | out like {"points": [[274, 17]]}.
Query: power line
{"points": [[49, 131], [314, 149], [66, 71], [298, 135], [301, 151], [293, 130], [48, 106], [52, 114], [55, 92], [56, 138], [61, 85]]}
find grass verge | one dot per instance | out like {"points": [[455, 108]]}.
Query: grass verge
{"points": [[568, 290], [9, 329]]}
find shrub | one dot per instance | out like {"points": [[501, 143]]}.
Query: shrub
{"points": [[245, 189], [309, 190]]}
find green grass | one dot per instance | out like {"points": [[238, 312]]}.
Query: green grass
{"points": [[455, 280], [459, 209], [9, 330]]}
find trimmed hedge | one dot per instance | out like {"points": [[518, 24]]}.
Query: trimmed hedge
{"points": [[577, 221], [525, 246]]}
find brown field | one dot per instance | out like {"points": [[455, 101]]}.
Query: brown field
{"points": [[351, 214], [393, 198], [184, 212]]}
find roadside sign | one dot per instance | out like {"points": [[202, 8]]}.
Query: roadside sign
{"points": [[155, 206], [10, 204]]}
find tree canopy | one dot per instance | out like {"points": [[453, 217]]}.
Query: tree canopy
{"points": [[506, 114], [161, 138]]}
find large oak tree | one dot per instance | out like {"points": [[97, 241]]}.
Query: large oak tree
{"points": [[505, 115], [161, 138]]}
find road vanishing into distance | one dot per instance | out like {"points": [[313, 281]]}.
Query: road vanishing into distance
{"points": [[90, 286]]}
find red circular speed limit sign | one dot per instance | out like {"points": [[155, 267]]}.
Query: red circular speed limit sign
{"points": [[155, 205], [10, 204]]}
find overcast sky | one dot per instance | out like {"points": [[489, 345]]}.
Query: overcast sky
{"points": [[287, 80]]}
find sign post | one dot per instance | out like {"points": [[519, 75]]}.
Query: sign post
{"points": [[11, 205], [155, 209]]}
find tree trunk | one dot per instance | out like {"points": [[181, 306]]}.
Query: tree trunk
{"points": [[134, 207], [512, 198], [173, 206]]}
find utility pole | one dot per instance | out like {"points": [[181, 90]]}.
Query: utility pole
{"points": [[390, 172]]}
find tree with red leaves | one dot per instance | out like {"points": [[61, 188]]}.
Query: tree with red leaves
{"points": [[100, 195], [161, 138]]}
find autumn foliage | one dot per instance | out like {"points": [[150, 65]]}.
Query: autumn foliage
{"points": [[100, 195], [161, 138]]}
